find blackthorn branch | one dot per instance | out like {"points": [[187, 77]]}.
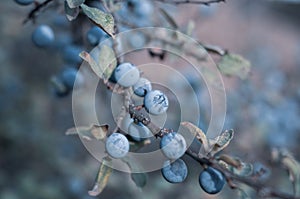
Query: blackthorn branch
{"points": [[33, 13], [262, 190]]}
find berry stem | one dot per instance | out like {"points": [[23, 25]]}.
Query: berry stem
{"points": [[262, 190]]}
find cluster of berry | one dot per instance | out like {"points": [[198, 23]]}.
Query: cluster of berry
{"points": [[172, 145]]}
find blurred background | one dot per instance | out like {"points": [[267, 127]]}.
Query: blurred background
{"points": [[37, 159]]}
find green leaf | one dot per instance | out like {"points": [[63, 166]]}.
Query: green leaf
{"points": [[140, 179], [106, 63], [102, 177], [71, 13], [221, 142], [102, 19], [97, 132], [198, 133], [287, 160], [233, 64], [75, 3]]}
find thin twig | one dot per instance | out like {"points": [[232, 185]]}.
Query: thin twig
{"points": [[176, 44], [262, 190], [34, 12]]}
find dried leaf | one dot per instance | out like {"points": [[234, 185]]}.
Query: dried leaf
{"points": [[190, 28], [221, 142], [107, 61], [140, 179], [230, 161], [71, 13], [97, 132], [198, 133], [105, 64], [246, 169], [75, 3], [233, 64], [235, 165], [169, 19], [288, 161], [102, 19], [102, 177]]}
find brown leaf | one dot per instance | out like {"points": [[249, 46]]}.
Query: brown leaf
{"points": [[287, 160], [102, 19], [97, 132], [221, 142], [198, 133], [102, 178]]}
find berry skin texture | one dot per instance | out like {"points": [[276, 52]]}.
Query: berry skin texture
{"points": [[127, 74], [69, 75], [117, 145], [138, 132], [174, 172], [173, 145], [211, 180], [142, 87], [24, 2], [156, 102], [43, 36]]}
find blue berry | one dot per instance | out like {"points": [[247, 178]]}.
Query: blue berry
{"points": [[127, 74], [43, 36], [156, 102], [142, 87], [138, 131], [24, 2], [174, 172], [71, 54], [211, 180], [95, 35], [69, 75], [173, 145], [141, 8], [117, 145]]}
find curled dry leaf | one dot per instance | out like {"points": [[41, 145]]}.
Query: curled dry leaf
{"points": [[97, 132], [235, 165], [74, 3], [139, 178], [198, 133], [71, 13], [102, 19], [221, 142], [236, 65], [287, 160], [105, 63], [102, 177]]}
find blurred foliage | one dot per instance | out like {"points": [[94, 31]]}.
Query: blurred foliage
{"points": [[39, 161]]}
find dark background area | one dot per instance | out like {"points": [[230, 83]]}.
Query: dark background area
{"points": [[37, 160]]}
